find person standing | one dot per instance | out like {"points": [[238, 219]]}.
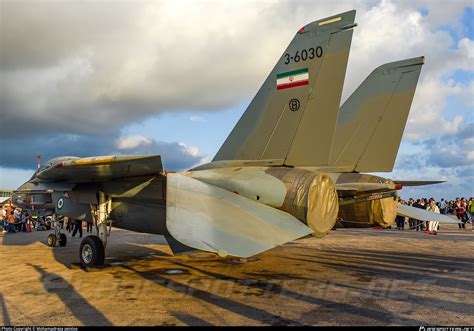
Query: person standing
{"points": [[77, 227], [433, 225], [411, 221], [3, 220], [68, 223], [471, 208], [400, 220], [417, 223], [17, 214], [89, 227], [11, 223], [443, 207], [24, 218], [461, 213], [471, 211]]}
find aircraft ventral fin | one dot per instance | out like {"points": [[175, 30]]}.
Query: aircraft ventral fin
{"points": [[205, 217]]}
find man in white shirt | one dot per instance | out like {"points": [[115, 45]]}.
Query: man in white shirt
{"points": [[443, 207], [17, 214]]}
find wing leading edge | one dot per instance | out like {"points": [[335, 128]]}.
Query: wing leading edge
{"points": [[95, 169]]}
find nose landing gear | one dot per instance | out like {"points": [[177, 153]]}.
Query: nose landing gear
{"points": [[57, 236]]}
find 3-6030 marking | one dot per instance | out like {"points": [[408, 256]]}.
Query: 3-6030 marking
{"points": [[305, 54]]}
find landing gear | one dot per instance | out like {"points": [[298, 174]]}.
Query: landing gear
{"points": [[52, 240], [92, 252], [57, 236]]}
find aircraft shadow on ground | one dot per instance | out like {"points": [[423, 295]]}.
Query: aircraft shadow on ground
{"points": [[425, 269], [189, 319], [367, 265], [395, 275], [79, 307], [407, 234], [22, 238], [263, 287], [5, 316], [220, 301], [69, 255]]}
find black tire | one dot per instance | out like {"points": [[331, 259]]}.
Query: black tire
{"points": [[52, 240], [62, 240], [92, 252]]}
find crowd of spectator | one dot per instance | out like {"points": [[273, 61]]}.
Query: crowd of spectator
{"points": [[461, 207], [14, 220]]}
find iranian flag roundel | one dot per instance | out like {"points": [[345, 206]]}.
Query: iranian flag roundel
{"points": [[293, 78]]}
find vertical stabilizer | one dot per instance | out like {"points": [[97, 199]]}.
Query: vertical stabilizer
{"points": [[293, 117], [371, 122]]}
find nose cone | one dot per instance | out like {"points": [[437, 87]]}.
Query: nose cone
{"points": [[19, 198]]}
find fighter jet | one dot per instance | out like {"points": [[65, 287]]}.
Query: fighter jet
{"points": [[280, 175]]}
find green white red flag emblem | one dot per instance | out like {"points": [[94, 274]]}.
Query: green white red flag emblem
{"points": [[293, 78]]}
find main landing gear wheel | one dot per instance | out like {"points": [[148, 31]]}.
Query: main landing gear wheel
{"points": [[92, 252], [52, 240], [62, 240]]}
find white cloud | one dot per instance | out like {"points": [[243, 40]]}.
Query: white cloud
{"points": [[94, 67], [130, 142], [191, 150], [199, 119], [453, 126], [470, 156], [99, 62]]}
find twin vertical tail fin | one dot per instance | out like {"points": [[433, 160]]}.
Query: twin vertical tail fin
{"points": [[295, 119], [297, 105], [371, 122]]}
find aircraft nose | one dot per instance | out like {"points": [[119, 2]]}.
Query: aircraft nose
{"points": [[17, 199]]}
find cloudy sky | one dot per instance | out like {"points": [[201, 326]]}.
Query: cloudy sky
{"points": [[90, 78]]}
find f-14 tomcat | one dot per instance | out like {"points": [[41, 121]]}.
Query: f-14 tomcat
{"points": [[292, 160]]}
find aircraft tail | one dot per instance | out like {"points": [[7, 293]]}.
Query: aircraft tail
{"points": [[371, 122], [298, 103]]}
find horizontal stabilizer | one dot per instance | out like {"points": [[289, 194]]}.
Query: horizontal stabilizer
{"points": [[423, 215], [418, 182], [208, 218], [95, 169]]}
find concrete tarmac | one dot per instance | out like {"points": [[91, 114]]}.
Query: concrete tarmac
{"points": [[350, 277]]}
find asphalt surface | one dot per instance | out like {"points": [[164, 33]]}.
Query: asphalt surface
{"points": [[350, 277]]}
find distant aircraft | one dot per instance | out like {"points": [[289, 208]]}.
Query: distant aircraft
{"points": [[281, 174]]}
